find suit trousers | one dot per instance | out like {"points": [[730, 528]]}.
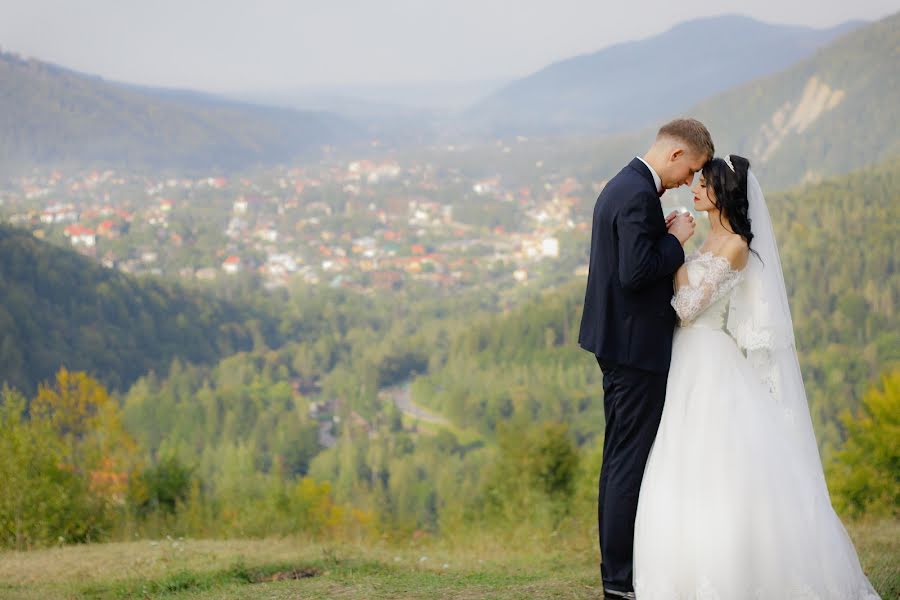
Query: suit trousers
{"points": [[632, 402]]}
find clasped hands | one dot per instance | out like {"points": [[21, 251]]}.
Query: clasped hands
{"points": [[681, 225]]}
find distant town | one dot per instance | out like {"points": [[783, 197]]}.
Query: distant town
{"points": [[360, 224]]}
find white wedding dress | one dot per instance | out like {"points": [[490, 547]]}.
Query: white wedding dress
{"points": [[732, 506]]}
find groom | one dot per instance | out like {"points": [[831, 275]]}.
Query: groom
{"points": [[628, 323]]}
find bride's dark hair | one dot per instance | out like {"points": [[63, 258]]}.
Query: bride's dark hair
{"points": [[730, 188]]}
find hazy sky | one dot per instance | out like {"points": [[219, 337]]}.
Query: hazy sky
{"points": [[224, 45]]}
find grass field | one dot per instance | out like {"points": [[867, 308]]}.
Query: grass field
{"points": [[488, 567]]}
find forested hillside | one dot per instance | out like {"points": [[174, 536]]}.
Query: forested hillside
{"points": [[840, 248], [60, 308]]}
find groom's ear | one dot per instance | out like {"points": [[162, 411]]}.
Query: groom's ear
{"points": [[675, 154]]}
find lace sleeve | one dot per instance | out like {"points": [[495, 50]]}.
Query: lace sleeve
{"points": [[718, 279]]}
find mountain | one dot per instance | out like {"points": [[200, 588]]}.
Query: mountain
{"points": [[392, 124], [631, 84], [407, 115], [385, 99], [51, 115], [833, 112]]}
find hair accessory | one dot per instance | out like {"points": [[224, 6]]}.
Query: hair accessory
{"points": [[727, 160]]}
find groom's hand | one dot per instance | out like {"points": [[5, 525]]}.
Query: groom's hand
{"points": [[671, 217], [682, 227]]}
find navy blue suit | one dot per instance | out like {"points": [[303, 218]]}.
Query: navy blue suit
{"points": [[628, 324]]}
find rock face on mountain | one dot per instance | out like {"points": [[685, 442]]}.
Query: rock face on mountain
{"points": [[829, 114]]}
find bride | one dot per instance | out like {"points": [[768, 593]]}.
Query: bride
{"points": [[733, 503]]}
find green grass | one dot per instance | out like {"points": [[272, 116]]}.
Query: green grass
{"points": [[482, 567]]}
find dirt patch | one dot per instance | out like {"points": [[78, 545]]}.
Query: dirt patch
{"points": [[301, 573]]}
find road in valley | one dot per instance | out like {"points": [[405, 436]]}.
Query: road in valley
{"points": [[401, 396]]}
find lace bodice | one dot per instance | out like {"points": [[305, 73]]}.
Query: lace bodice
{"points": [[704, 301]]}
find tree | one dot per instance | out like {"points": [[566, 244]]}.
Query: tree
{"points": [[534, 473], [865, 474], [163, 486], [87, 423], [41, 500]]}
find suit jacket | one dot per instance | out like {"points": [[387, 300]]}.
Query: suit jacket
{"points": [[628, 319]]}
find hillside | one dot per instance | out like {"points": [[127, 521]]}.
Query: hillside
{"points": [[829, 114], [60, 308], [51, 116], [632, 84]]}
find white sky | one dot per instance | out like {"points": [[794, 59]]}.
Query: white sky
{"points": [[226, 45]]}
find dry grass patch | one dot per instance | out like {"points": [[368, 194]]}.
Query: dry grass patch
{"points": [[500, 565]]}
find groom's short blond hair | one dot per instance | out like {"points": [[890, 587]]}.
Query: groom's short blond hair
{"points": [[692, 132]]}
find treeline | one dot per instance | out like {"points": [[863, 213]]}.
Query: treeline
{"points": [[72, 472]]}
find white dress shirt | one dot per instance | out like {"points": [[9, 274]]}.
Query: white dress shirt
{"points": [[656, 178]]}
